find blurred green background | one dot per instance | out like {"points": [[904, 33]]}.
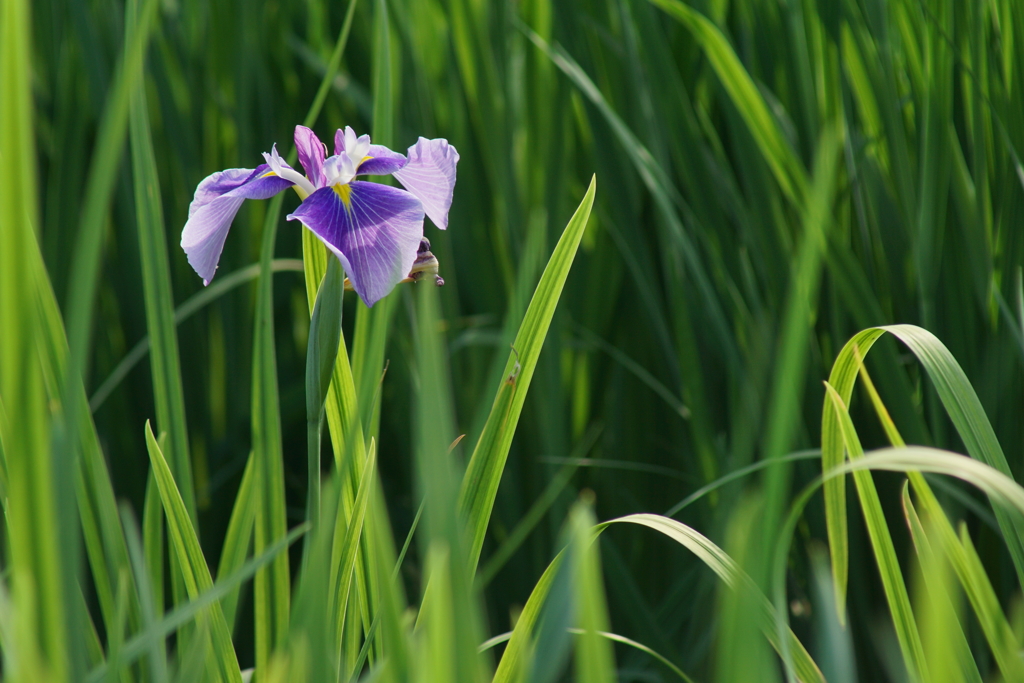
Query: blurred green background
{"points": [[707, 303]]}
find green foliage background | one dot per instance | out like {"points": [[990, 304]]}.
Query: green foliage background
{"points": [[772, 178]]}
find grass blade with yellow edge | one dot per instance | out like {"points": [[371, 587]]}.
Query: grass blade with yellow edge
{"points": [[728, 571], [938, 591], [348, 531], [483, 474], [963, 407], [238, 537], [881, 543], [194, 570], [272, 585], [595, 659], [975, 583], [42, 581], [749, 102], [168, 394]]}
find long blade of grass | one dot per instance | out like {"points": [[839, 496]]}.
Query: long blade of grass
{"points": [[153, 541], [728, 571], [595, 659], [790, 363], [511, 666], [222, 285], [449, 614], [348, 532], [157, 650], [272, 585], [140, 644], [321, 355], [194, 570], [938, 589], [41, 577], [881, 542], [963, 407], [658, 183], [156, 287], [97, 506], [238, 537], [965, 410], [749, 102], [975, 583], [480, 485]]}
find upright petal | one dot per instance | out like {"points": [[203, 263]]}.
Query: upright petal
{"points": [[380, 160], [374, 229], [214, 206], [430, 175], [347, 142], [312, 153]]}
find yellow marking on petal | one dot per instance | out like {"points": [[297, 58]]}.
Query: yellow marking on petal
{"points": [[365, 159], [266, 175], [344, 193]]}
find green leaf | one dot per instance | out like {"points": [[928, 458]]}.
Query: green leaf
{"points": [[183, 614], [982, 596], [98, 514], [511, 666], [480, 485], [791, 359], [595, 659], [194, 570], [748, 100], [148, 609], [221, 286], [321, 355], [449, 614], [881, 543], [238, 536], [272, 585], [348, 531], [156, 288], [666, 197], [962, 405], [728, 571], [1005, 494], [153, 542], [42, 577], [939, 613]]}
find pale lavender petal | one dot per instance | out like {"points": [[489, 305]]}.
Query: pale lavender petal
{"points": [[430, 176], [312, 153], [216, 184], [216, 202], [375, 233], [340, 137], [381, 161]]}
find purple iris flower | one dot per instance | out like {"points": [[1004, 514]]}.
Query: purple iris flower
{"points": [[375, 230]]}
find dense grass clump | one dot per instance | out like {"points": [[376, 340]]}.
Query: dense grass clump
{"points": [[683, 233]]}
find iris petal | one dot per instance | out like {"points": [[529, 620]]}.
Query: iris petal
{"points": [[347, 141], [430, 176], [375, 231], [311, 154], [382, 161], [214, 206]]}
